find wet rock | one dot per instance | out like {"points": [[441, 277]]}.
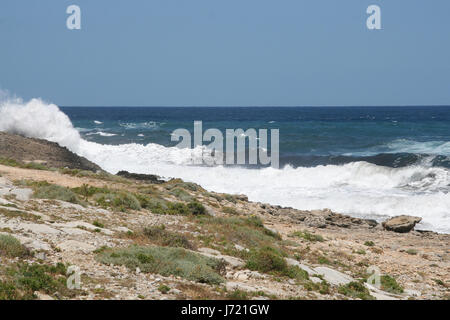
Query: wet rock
{"points": [[149, 178], [401, 224]]}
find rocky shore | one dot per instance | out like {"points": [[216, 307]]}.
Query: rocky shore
{"points": [[138, 237]]}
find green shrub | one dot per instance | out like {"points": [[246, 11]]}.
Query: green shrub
{"points": [[308, 236], [11, 247], [196, 208], [163, 289], [120, 200], [8, 291], [24, 279], [369, 243], [54, 192], [166, 261], [178, 183], [88, 191], [181, 194], [389, 284], [161, 206], [161, 236], [355, 290], [266, 260], [98, 224]]}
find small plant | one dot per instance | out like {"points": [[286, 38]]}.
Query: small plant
{"points": [[369, 243], [440, 282], [361, 251], [163, 289], [323, 260], [389, 284], [98, 224], [196, 208], [412, 252]]}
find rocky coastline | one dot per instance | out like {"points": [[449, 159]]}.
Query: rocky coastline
{"points": [[139, 237]]}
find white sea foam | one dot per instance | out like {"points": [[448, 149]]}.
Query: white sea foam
{"points": [[358, 188], [102, 134]]}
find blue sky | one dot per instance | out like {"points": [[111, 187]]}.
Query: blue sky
{"points": [[227, 52]]}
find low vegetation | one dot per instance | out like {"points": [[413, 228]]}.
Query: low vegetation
{"points": [[389, 284], [166, 261], [12, 248], [270, 260], [355, 290], [22, 280], [161, 236], [55, 192], [224, 233], [308, 236], [18, 164]]}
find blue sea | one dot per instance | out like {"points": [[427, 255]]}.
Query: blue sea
{"points": [[309, 136], [371, 162]]}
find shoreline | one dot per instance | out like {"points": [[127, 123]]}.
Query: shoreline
{"points": [[112, 227]]}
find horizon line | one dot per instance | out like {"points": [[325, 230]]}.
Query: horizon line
{"points": [[254, 106]]}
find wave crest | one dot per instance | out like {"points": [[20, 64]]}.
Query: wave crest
{"points": [[37, 119]]}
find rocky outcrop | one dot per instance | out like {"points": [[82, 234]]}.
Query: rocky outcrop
{"points": [[401, 224], [44, 152], [149, 178]]}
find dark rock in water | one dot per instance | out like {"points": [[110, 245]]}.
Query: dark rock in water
{"points": [[372, 223], [44, 152], [401, 224], [150, 178]]}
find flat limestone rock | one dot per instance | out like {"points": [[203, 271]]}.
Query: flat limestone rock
{"points": [[38, 228], [309, 270], [401, 224], [333, 276]]}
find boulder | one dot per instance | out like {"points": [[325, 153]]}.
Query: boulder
{"points": [[401, 224]]}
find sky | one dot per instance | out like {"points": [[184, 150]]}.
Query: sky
{"points": [[226, 52]]}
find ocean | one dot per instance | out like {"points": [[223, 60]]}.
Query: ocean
{"points": [[371, 162]]}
